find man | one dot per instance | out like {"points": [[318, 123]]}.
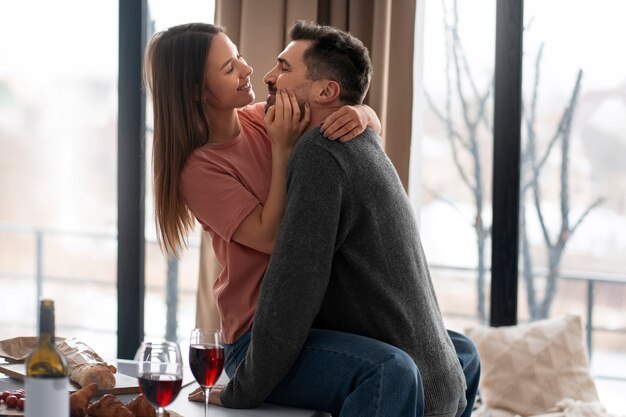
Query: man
{"points": [[348, 263]]}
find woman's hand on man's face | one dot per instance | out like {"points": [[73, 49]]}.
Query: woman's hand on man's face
{"points": [[285, 121]]}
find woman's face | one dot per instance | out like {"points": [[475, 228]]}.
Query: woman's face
{"points": [[227, 76]]}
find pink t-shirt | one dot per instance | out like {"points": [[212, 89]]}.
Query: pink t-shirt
{"points": [[222, 184]]}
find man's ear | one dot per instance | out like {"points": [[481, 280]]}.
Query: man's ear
{"points": [[327, 92]]}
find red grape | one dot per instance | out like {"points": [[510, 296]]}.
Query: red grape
{"points": [[11, 401], [4, 395]]}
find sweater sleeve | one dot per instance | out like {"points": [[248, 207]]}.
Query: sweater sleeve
{"points": [[295, 282]]}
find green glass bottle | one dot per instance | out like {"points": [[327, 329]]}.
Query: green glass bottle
{"points": [[46, 381]]}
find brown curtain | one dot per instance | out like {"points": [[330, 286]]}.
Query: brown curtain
{"points": [[260, 28]]}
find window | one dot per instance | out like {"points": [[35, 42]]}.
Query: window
{"points": [[58, 152], [169, 316], [575, 226], [58, 124], [452, 155], [572, 212]]}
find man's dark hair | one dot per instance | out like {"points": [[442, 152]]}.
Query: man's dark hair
{"points": [[335, 55]]}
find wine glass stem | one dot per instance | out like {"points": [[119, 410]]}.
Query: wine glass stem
{"points": [[207, 392], [160, 411]]}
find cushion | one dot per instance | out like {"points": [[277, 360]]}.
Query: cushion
{"points": [[528, 368]]}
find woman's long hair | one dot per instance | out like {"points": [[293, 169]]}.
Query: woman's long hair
{"points": [[174, 72]]}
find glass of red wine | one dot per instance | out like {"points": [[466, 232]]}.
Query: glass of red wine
{"points": [[206, 359], [160, 373]]}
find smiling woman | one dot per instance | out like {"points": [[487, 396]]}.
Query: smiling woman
{"points": [[219, 159]]}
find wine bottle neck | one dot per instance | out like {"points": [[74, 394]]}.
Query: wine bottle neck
{"points": [[46, 322]]}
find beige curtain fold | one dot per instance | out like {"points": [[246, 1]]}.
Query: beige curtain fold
{"points": [[260, 28], [207, 316]]}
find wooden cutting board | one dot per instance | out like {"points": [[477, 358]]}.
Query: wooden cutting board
{"points": [[124, 384], [4, 411]]}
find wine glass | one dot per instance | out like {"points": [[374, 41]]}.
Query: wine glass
{"points": [[206, 359], [160, 373]]}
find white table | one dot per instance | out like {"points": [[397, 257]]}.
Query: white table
{"points": [[187, 408]]}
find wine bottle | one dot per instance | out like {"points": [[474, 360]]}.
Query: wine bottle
{"points": [[46, 371]]}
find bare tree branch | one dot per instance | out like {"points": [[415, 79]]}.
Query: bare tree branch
{"points": [[533, 101], [565, 202], [457, 66], [531, 151], [542, 222], [463, 58], [482, 113], [448, 201], [457, 163], [527, 270], [565, 122], [446, 122], [599, 201]]}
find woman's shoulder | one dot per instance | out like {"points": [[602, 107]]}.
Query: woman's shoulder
{"points": [[197, 159]]}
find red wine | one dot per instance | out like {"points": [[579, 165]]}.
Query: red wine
{"points": [[160, 389], [206, 363]]}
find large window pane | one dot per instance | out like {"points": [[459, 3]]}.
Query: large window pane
{"points": [[452, 153], [58, 124], [574, 182], [170, 316]]}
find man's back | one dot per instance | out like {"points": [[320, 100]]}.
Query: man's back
{"points": [[379, 282], [347, 258]]}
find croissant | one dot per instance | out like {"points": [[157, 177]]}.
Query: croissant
{"points": [[79, 400], [94, 373], [109, 406], [142, 408]]}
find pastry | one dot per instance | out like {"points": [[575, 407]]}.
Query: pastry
{"points": [[94, 373], [109, 406], [142, 408], [79, 400]]}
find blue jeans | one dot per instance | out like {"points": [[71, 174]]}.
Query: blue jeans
{"points": [[470, 362], [347, 374], [355, 369]]}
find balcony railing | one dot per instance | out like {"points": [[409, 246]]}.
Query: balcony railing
{"points": [[172, 289]]}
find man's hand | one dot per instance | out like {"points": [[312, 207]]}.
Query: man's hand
{"points": [[214, 397], [348, 122]]}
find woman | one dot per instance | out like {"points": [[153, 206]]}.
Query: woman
{"points": [[214, 160]]}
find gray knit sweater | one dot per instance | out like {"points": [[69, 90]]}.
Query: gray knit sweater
{"points": [[348, 257]]}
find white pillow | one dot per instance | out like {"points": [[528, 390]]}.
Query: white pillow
{"points": [[528, 368]]}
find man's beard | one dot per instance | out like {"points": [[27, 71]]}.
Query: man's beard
{"points": [[271, 98], [300, 91]]}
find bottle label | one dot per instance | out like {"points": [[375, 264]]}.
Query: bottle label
{"points": [[47, 397]]}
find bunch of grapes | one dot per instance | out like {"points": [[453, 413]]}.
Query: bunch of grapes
{"points": [[14, 399]]}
